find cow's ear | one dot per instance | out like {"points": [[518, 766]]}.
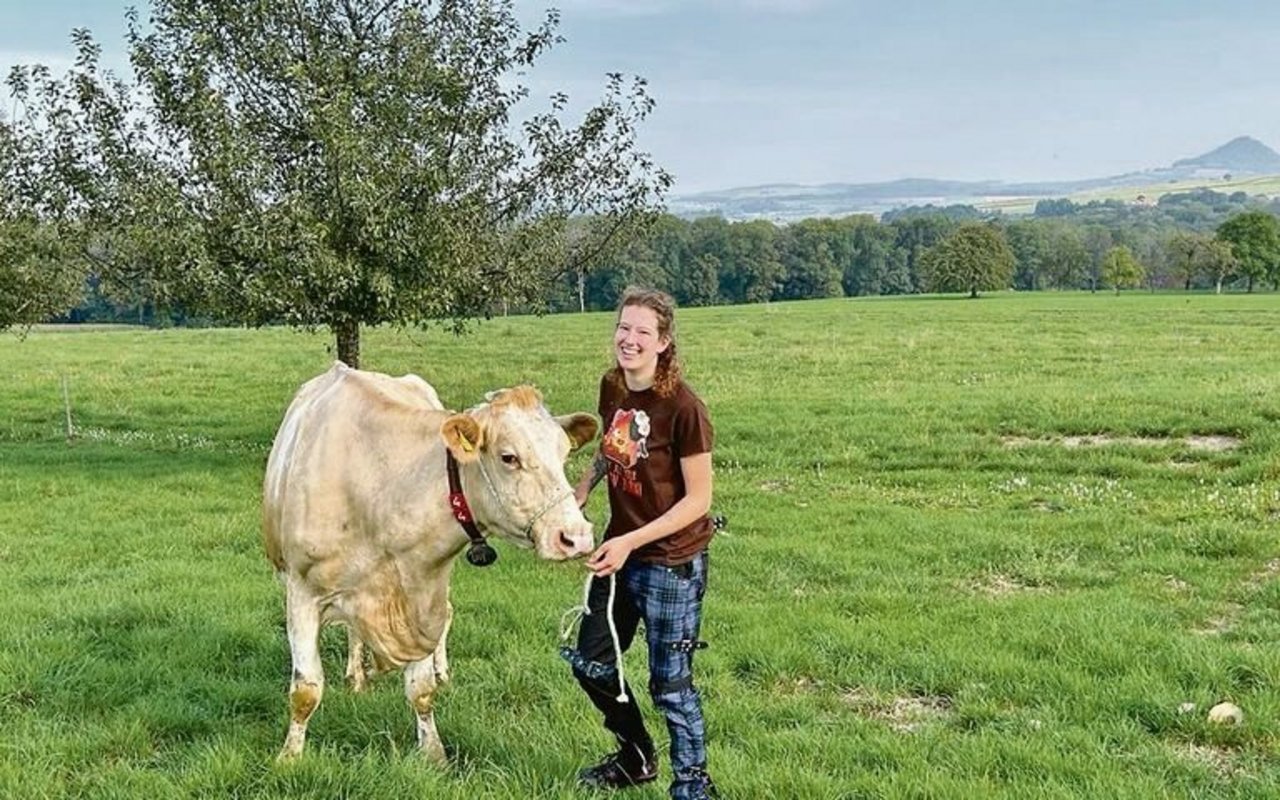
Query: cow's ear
{"points": [[581, 428], [463, 436]]}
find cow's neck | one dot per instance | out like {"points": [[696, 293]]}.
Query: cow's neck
{"points": [[479, 552]]}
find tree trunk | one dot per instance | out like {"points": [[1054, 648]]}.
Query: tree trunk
{"points": [[973, 294], [347, 334], [582, 291], [1218, 290]]}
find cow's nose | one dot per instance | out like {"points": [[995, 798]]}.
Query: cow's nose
{"points": [[575, 545]]}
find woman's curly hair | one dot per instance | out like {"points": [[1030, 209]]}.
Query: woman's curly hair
{"points": [[668, 374]]}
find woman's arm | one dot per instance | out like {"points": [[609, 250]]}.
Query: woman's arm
{"points": [[594, 474], [695, 504]]}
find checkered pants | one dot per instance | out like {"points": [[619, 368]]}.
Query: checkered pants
{"points": [[669, 601]]}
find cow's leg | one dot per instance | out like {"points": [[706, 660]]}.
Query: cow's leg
{"points": [[420, 684], [307, 686], [440, 656], [355, 661]]}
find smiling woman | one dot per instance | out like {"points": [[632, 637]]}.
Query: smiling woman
{"points": [[652, 566]]}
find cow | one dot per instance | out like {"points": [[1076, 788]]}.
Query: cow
{"points": [[362, 526]]}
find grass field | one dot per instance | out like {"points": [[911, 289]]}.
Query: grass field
{"points": [[926, 590], [1254, 185]]}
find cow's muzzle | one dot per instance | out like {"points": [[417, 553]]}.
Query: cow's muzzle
{"points": [[571, 543]]}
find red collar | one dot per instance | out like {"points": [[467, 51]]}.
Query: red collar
{"points": [[479, 552]]}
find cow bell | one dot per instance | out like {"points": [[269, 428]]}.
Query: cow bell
{"points": [[480, 554]]}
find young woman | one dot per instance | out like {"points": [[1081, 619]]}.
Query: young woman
{"points": [[655, 451]]}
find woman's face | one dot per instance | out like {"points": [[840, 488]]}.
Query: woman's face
{"points": [[636, 343]]}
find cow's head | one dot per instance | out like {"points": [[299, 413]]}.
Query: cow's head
{"points": [[512, 453]]}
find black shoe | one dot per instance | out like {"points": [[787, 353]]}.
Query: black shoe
{"points": [[700, 787], [627, 767]]}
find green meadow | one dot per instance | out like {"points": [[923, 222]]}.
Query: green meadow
{"points": [[1252, 185], [1013, 547]]}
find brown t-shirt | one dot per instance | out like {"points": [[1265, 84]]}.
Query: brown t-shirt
{"points": [[644, 437]]}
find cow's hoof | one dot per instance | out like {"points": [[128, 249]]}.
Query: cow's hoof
{"points": [[288, 755], [356, 684]]}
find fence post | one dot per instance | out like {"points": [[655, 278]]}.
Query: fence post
{"points": [[66, 404]]}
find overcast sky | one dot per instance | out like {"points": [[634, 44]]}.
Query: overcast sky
{"points": [[814, 91]]}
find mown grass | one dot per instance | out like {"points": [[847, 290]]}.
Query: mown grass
{"points": [[905, 605], [1253, 185]]}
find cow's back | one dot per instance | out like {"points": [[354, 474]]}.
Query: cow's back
{"points": [[344, 440]]}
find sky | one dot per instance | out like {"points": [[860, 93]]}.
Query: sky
{"points": [[753, 92]]}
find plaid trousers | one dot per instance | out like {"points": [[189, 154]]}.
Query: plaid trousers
{"points": [[669, 602]]}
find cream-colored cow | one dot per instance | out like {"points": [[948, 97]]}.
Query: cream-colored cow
{"points": [[358, 523]]}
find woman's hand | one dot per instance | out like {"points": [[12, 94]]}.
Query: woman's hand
{"points": [[610, 556]]}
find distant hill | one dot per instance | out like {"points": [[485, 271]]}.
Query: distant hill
{"points": [[1242, 156]]}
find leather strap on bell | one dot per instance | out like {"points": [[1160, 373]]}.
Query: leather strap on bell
{"points": [[479, 552]]}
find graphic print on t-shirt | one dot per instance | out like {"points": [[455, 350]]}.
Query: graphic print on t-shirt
{"points": [[627, 440]]}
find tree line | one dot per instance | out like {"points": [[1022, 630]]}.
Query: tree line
{"points": [[1200, 240], [1193, 240]]}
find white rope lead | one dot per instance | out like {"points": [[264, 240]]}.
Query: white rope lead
{"points": [[573, 615], [613, 632]]}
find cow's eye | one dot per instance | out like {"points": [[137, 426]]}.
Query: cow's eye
{"points": [[511, 459]]}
